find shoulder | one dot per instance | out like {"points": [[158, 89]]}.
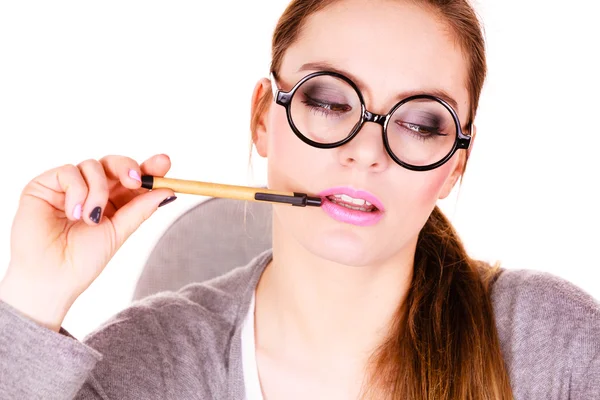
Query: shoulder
{"points": [[216, 302], [537, 292], [173, 334], [548, 329]]}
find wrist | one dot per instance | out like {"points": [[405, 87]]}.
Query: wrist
{"points": [[36, 300]]}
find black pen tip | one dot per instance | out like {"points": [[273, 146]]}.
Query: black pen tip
{"points": [[314, 201]]}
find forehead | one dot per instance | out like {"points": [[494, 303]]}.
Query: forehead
{"points": [[393, 47]]}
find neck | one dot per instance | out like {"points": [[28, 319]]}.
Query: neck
{"points": [[324, 309]]}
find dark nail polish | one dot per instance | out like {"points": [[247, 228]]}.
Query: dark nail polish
{"points": [[168, 200], [96, 214]]}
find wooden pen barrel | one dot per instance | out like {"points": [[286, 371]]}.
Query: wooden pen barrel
{"points": [[212, 189]]}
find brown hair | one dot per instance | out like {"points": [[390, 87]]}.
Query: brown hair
{"points": [[443, 342]]}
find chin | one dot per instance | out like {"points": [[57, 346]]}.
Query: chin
{"points": [[334, 241], [346, 248]]}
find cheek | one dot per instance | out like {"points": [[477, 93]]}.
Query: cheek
{"points": [[422, 189], [413, 199], [281, 139], [292, 164], [434, 181]]}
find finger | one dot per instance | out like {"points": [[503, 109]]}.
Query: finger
{"points": [[122, 169], [157, 165], [63, 188], [95, 178], [129, 217]]}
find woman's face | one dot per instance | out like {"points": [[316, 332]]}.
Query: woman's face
{"points": [[391, 49]]}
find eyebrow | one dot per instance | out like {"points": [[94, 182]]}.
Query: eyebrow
{"points": [[325, 66]]}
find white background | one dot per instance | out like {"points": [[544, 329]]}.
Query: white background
{"points": [[84, 79]]}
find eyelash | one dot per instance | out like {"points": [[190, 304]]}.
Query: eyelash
{"points": [[325, 109], [433, 132]]}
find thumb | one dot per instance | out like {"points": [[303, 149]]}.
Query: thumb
{"points": [[129, 217]]}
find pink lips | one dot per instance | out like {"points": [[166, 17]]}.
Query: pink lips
{"points": [[347, 215]]}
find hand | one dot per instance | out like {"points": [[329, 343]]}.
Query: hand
{"points": [[70, 222]]}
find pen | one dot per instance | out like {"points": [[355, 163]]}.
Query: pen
{"points": [[230, 191]]}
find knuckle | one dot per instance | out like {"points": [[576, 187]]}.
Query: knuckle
{"points": [[112, 159], [69, 168], [70, 178], [115, 165], [128, 162], [88, 163]]}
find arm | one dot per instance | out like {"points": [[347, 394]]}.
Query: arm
{"points": [[66, 229]]}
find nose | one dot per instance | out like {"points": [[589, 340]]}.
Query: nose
{"points": [[366, 150]]}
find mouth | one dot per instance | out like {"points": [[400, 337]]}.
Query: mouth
{"points": [[352, 206], [351, 203]]}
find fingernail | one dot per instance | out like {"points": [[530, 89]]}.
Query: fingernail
{"points": [[168, 200], [134, 175], [95, 215], [77, 211]]}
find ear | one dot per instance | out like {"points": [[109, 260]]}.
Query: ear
{"points": [[459, 169], [259, 113]]}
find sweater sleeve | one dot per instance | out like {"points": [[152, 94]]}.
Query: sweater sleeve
{"points": [[37, 363], [126, 358], [549, 331], [586, 382], [136, 358], [168, 346]]}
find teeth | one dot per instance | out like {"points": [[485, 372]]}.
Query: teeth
{"points": [[355, 208], [347, 199], [351, 203]]}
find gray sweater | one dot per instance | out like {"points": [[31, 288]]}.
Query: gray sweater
{"points": [[186, 345]]}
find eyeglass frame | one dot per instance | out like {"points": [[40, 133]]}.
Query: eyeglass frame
{"points": [[283, 98]]}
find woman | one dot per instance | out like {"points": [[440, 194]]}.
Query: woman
{"points": [[370, 106]]}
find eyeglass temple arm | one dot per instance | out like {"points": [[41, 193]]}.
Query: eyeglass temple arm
{"points": [[465, 142], [280, 97]]}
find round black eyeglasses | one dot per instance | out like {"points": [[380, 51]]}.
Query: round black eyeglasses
{"points": [[326, 110]]}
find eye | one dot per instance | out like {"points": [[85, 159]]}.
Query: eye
{"points": [[421, 129], [421, 132], [329, 106]]}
